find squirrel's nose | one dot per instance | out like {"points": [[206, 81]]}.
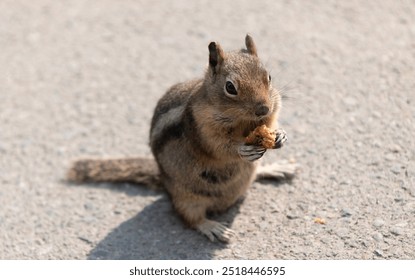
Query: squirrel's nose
{"points": [[261, 110]]}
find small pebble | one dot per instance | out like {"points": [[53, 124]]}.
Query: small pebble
{"points": [[346, 212], [352, 244], [376, 114], [292, 216], [88, 206], [395, 149], [398, 199], [365, 243], [378, 237], [376, 143], [378, 223], [396, 231], [378, 252], [343, 233], [331, 254], [396, 169]]}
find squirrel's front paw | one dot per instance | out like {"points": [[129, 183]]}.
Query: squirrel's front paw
{"points": [[251, 152], [280, 139]]}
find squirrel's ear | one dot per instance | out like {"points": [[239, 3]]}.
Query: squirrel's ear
{"points": [[250, 45], [216, 55]]}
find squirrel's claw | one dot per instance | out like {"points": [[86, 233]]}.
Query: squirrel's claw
{"points": [[280, 139], [216, 231], [251, 152]]}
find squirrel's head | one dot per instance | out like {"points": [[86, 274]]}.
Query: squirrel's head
{"points": [[240, 84]]}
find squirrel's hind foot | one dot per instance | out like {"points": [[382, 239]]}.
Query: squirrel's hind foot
{"points": [[277, 171], [215, 231]]}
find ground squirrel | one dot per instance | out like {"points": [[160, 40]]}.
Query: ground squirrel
{"points": [[198, 134]]}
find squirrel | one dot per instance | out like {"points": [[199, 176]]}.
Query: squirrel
{"points": [[197, 137]]}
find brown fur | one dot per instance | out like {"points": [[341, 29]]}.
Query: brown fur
{"points": [[134, 170], [196, 135]]}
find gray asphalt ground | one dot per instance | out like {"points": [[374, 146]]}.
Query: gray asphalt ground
{"points": [[81, 79]]}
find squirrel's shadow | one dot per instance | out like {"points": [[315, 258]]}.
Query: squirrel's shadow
{"points": [[157, 232]]}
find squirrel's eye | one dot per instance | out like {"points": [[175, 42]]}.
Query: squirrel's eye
{"points": [[230, 88], [269, 78]]}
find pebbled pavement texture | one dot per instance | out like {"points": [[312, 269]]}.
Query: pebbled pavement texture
{"points": [[81, 79]]}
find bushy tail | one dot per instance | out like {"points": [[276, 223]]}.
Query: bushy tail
{"points": [[135, 170]]}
